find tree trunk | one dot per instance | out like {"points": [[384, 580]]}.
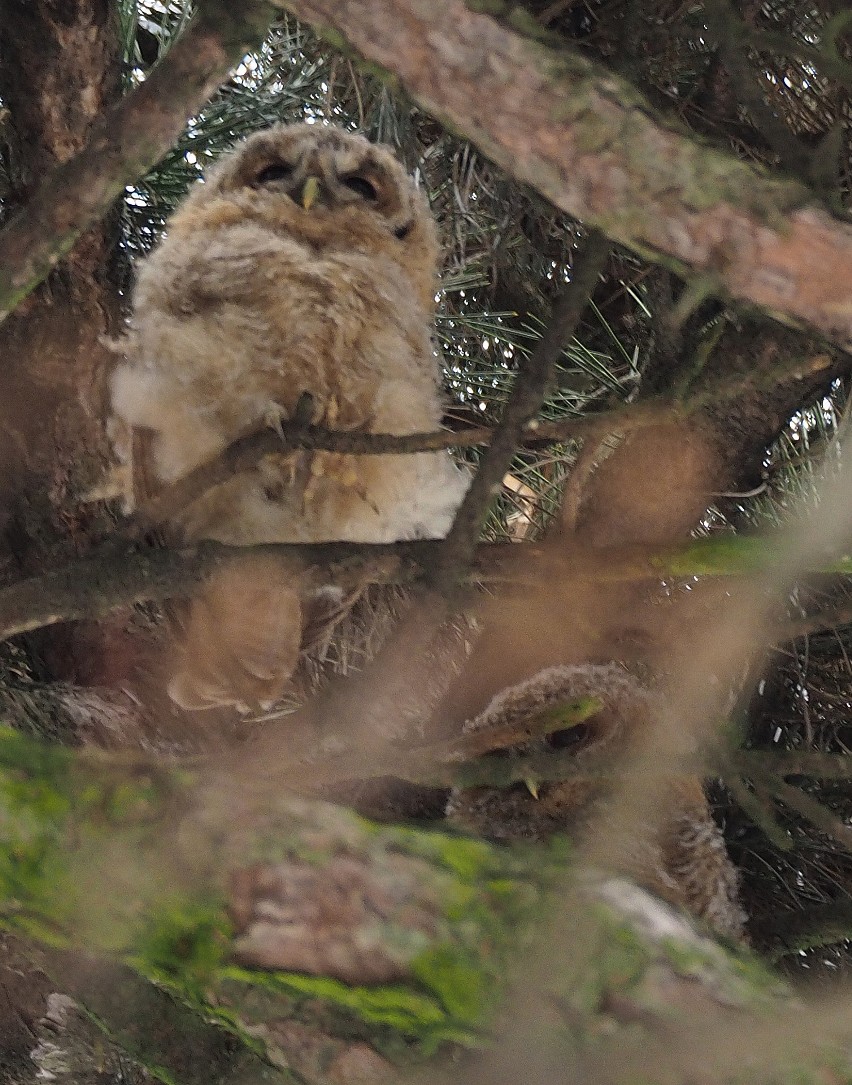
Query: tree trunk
{"points": [[59, 72]]}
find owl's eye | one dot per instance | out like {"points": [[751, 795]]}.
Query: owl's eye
{"points": [[277, 171], [357, 183]]}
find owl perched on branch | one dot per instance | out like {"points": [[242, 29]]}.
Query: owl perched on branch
{"points": [[301, 272]]}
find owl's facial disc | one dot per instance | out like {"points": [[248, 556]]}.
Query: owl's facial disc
{"points": [[322, 171]]}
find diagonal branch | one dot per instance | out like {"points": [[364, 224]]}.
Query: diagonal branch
{"points": [[526, 400], [128, 141], [586, 140]]}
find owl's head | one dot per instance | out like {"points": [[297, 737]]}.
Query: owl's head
{"points": [[334, 189]]}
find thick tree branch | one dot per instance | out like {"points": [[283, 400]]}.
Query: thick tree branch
{"points": [[585, 139], [574, 131], [179, 877], [128, 141], [315, 933], [119, 575]]}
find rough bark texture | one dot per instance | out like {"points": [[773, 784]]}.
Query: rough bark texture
{"points": [[59, 71], [337, 950], [587, 141], [61, 83], [125, 142]]}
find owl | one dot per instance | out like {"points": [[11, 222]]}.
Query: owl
{"points": [[301, 271], [680, 855]]}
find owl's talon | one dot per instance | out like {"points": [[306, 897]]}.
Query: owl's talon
{"points": [[274, 417]]}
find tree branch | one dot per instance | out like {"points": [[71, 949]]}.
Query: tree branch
{"points": [[129, 140], [812, 810], [822, 621], [811, 928], [812, 763], [588, 142], [119, 575], [524, 403], [311, 934], [247, 451]]}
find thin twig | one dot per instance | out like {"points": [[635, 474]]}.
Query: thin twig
{"points": [[759, 811], [811, 810], [822, 621], [811, 928], [247, 451], [810, 763], [525, 401]]}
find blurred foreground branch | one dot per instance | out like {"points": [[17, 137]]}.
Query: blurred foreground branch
{"points": [[118, 575], [326, 939]]}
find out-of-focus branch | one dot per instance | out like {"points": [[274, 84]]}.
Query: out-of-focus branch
{"points": [[128, 141], [588, 142], [811, 927], [240, 912], [820, 621], [813, 811], [811, 763], [760, 809], [117, 576]]}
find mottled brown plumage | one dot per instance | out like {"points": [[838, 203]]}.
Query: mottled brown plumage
{"points": [[679, 854], [303, 271]]}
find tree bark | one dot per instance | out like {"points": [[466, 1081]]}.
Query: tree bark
{"points": [[586, 140], [59, 73], [334, 948]]}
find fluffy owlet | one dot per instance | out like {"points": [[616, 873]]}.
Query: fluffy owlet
{"points": [[303, 270], [680, 854]]}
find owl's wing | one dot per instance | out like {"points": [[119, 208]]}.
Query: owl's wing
{"points": [[221, 265]]}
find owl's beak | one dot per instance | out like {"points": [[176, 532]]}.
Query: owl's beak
{"points": [[310, 192]]}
